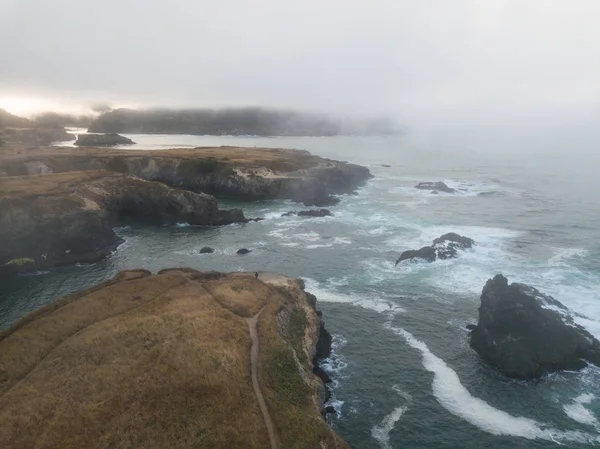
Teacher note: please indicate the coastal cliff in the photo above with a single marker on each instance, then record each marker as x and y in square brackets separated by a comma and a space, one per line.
[181, 359]
[57, 219]
[246, 174]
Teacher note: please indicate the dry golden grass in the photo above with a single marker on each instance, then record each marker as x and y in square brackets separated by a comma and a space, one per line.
[153, 362]
[50, 184]
[277, 158]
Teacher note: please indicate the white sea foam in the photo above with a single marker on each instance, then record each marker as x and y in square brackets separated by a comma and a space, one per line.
[319, 245]
[578, 412]
[382, 431]
[373, 303]
[455, 398]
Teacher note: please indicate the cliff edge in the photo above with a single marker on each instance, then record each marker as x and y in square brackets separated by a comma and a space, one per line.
[167, 360]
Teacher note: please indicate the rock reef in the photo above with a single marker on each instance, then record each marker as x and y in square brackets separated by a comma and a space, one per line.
[526, 334]
[435, 187]
[161, 360]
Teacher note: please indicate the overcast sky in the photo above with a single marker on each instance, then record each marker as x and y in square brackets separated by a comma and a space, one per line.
[414, 59]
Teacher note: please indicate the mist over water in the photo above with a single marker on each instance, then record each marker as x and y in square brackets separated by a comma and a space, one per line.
[404, 375]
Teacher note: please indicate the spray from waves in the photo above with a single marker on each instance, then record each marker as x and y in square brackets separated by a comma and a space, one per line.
[382, 431]
[334, 366]
[578, 412]
[373, 303]
[455, 398]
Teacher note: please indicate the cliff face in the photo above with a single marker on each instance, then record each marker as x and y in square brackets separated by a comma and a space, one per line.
[227, 172]
[58, 219]
[165, 361]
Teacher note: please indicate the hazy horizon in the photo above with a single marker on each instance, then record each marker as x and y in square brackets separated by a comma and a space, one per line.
[453, 66]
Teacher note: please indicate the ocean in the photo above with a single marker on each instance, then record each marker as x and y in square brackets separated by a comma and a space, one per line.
[403, 373]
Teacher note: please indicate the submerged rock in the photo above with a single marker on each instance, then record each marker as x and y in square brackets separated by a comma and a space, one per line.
[102, 140]
[207, 250]
[435, 187]
[243, 251]
[444, 247]
[526, 334]
[315, 213]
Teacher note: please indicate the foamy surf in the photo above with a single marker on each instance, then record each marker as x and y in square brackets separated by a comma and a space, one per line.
[454, 397]
[373, 303]
[578, 412]
[382, 431]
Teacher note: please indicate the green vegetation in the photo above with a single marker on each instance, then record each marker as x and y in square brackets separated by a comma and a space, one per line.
[20, 261]
[239, 288]
[283, 376]
[204, 166]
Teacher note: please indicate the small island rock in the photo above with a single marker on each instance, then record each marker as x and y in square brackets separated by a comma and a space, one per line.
[526, 334]
[102, 140]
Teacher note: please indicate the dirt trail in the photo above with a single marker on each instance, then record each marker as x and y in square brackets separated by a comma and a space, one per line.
[254, 370]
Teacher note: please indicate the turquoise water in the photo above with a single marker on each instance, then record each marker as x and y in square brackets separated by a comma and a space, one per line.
[404, 375]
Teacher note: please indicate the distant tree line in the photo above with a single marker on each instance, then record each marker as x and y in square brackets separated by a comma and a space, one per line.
[235, 121]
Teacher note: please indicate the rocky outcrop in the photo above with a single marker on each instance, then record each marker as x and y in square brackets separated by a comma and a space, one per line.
[426, 253]
[102, 140]
[526, 334]
[435, 187]
[447, 246]
[206, 250]
[60, 219]
[444, 247]
[243, 251]
[132, 356]
[309, 213]
[245, 174]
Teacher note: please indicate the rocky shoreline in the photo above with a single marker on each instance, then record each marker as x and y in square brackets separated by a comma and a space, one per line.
[58, 205]
[65, 218]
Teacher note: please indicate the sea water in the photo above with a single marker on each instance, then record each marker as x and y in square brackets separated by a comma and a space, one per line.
[403, 373]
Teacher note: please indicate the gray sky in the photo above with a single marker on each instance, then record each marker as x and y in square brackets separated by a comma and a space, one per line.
[475, 59]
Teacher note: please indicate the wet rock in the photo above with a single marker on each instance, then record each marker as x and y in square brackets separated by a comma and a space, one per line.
[243, 251]
[435, 186]
[207, 250]
[444, 247]
[447, 246]
[526, 334]
[315, 213]
[426, 253]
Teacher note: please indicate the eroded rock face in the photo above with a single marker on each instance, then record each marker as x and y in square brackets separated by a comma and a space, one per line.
[67, 218]
[526, 334]
[435, 187]
[242, 174]
[102, 140]
[444, 247]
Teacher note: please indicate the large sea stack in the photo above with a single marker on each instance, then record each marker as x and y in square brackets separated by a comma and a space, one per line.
[526, 334]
